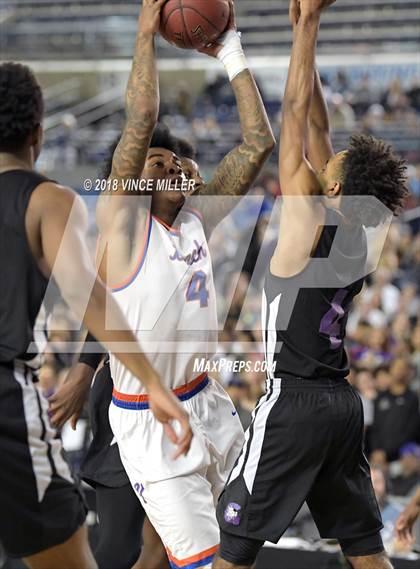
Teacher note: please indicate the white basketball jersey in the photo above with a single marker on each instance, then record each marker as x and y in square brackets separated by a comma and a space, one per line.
[170, 302]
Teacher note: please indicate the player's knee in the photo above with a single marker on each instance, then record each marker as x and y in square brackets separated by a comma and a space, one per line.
[377, 561]
[366, 552]
[152, 558]
[236, 552]
[364, 546]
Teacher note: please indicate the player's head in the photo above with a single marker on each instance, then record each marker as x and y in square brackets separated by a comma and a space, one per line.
[368, 167]
[21, 110]
[162, 163]
[189, 164]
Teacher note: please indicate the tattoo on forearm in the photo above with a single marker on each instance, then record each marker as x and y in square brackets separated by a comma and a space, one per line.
[239, 169]
[142, 105]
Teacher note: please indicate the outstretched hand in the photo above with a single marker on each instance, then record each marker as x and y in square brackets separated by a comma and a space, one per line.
[149, 20]
[213, 49]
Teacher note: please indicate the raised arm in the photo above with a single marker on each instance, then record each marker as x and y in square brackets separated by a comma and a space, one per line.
[297, 101]
[142, 109]
[238, 170]
[320, 147]
[300, 214]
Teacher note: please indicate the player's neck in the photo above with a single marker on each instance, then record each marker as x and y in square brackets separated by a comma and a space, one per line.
[167, 214]
[19, 161]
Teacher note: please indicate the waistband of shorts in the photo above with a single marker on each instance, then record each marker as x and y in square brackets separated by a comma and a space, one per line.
[141, 402]
[293, 382]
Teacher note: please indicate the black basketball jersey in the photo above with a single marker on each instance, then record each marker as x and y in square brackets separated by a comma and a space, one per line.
[22, 285]
[304, 326]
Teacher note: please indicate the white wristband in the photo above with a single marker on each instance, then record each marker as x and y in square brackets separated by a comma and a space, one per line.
[232, 55]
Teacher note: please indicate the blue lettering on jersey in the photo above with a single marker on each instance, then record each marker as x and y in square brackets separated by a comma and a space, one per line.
[194, 257]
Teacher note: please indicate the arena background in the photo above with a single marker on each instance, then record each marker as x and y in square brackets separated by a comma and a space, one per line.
[370, 65]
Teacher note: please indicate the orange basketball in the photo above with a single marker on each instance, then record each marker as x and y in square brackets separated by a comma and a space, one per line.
[192, 24]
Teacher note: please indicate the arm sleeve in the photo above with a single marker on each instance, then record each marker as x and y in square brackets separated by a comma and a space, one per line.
[89, 358]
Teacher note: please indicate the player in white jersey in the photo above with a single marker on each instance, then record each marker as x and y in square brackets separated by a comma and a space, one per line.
[156, 260]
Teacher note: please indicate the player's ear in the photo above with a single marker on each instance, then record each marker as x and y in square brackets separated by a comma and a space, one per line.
[36, 139]
[334, 190]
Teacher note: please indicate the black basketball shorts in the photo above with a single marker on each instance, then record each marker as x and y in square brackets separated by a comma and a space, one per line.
[305, 444]
[40, 504]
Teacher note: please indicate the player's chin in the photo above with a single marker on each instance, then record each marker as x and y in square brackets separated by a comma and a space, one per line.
[175, 197]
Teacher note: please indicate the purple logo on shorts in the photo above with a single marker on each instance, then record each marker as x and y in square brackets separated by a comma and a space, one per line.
[139, 489]
[232, 515]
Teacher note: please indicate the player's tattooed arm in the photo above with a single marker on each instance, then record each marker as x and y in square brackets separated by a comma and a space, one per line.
[141, 106]
[238, 170]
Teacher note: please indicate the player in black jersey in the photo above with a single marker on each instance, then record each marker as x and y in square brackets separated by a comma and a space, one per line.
[306, 439]
[42, 512]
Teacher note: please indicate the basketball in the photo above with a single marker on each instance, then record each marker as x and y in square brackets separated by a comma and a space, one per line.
[193, 24]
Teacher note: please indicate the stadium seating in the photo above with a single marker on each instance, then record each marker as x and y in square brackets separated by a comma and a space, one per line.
[64, 28]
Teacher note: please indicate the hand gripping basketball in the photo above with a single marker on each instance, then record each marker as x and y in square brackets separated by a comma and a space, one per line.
[228, 48]
[150, 16]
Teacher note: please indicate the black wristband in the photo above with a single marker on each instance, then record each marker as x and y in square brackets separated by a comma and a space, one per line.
[89, 358]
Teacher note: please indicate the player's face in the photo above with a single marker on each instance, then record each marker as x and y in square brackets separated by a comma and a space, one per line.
[192, 172]
[162, 164]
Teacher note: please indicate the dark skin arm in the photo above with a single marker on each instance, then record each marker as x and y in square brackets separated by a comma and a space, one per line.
[297, 101]
[239, 169]
[142, 109]
[320, 147]
[300, 216]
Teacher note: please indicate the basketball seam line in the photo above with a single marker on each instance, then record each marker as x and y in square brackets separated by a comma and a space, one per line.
[204, 18]
[167, 18]
[181, 7]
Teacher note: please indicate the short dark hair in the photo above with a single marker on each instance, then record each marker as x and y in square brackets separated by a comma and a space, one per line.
[371, 168]
[162, 138]
[186, 149]
[21, 105]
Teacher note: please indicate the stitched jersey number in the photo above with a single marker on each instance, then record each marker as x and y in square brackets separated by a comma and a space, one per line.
[197, 289]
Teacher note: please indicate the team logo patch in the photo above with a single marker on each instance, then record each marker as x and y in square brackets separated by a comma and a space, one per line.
[232, 514]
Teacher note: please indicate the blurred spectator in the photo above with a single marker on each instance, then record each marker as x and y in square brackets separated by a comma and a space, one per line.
[366, 387]
[389, 511]
[342, 115]
[396, 413]
[409, 477]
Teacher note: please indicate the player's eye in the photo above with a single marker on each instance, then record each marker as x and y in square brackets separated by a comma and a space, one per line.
[158, 165]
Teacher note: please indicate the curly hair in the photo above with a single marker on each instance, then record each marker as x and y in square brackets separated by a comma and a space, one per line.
[371, 168]
[21, 105]
[186, 149]
[162, 138]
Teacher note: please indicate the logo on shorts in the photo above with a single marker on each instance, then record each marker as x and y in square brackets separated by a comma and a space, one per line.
[139, 489]
[232, 515]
